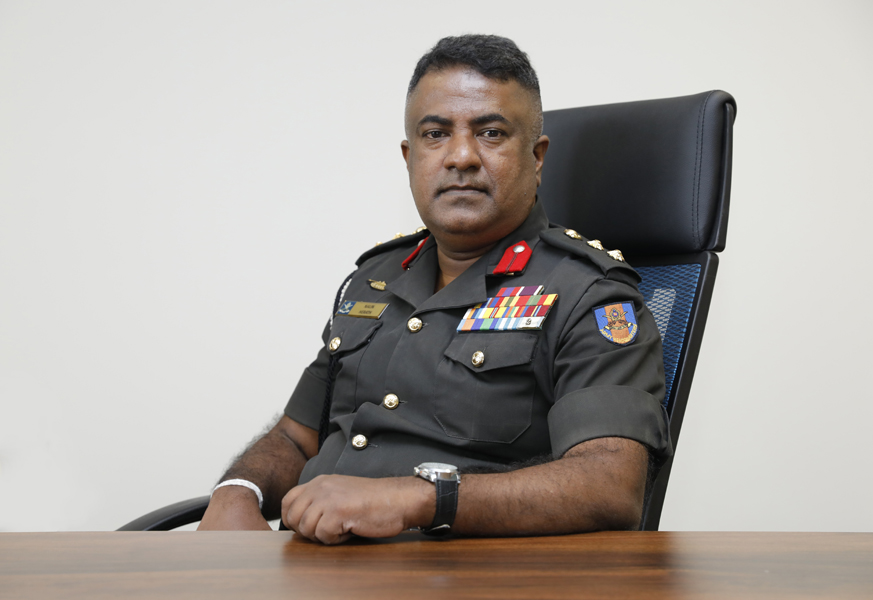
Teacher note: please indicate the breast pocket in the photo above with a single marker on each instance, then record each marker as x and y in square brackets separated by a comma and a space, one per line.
[353, 335]
[485, 386]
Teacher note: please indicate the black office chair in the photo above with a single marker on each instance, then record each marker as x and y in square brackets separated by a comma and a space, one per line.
[652, 179]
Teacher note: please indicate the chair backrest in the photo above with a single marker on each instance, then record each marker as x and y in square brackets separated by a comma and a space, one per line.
[651, 178]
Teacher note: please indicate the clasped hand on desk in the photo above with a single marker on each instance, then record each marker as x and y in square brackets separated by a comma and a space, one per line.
[332, 508]
[596, 485]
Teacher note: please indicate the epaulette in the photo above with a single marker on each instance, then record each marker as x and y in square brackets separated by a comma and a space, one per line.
[399, 240]
[593, 250]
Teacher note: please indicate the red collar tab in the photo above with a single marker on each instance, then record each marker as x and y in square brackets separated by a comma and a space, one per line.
[411, 257]
[514, 259]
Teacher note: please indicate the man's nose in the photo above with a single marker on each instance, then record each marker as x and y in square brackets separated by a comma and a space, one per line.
[462, 153]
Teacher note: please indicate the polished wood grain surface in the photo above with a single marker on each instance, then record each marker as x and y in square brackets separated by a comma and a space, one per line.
[600, 565]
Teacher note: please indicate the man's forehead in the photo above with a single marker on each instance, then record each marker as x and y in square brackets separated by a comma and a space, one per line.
[460, 91]
[458, 79]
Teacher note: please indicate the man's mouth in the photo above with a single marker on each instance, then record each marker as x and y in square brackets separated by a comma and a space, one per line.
[460, 189]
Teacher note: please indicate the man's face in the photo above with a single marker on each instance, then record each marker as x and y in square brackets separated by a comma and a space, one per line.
[473, 157]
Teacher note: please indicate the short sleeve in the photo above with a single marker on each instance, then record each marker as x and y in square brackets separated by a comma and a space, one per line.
[307, 400]
[609, 387]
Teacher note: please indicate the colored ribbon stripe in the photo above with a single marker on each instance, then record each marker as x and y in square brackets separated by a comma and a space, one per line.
[516, 305]
[530, 290]
[507, 324]
[528, 313]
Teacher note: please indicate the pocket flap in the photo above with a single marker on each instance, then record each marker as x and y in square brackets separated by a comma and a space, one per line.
[353, 332]
[499, 349]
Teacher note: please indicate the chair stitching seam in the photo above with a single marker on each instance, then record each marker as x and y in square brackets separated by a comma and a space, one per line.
[698, 168]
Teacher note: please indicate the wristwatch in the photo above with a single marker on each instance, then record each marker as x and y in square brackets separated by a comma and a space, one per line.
[446, 479]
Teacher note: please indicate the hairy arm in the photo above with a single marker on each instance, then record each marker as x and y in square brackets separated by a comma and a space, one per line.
[273, 463]
[596, 485]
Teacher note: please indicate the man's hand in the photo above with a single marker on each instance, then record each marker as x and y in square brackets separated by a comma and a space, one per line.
[233, 508]
[332, 508]
[596, 485]
[273, 463]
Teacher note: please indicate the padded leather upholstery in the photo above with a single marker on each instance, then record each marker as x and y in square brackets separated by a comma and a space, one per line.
[649, 178]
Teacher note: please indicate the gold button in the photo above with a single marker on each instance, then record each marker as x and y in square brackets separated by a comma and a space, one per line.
[398, 235]
[359, 442]
[617, 255]
[414, 324]
[334, 344]
[390, 401]
[420, 229]
[572, 233]
[595, 244]
[478, 358]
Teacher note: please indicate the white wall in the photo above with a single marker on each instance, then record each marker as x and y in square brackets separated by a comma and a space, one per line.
[183, 185]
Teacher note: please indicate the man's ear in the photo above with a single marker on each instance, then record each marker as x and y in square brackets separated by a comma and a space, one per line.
[539, 150]
[404, 148]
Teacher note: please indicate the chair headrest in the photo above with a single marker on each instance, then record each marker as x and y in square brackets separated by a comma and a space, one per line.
[649, 178]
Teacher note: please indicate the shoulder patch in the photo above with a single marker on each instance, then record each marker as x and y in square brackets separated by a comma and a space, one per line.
[617, 322]
[398, 242]
[593, 250]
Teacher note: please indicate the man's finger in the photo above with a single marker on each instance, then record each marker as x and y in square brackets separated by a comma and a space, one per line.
[294, 505]
[307, 521]
[331, 530]
[291, 496]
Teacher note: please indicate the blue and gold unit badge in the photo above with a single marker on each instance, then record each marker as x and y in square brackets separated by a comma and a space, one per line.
[617, 322]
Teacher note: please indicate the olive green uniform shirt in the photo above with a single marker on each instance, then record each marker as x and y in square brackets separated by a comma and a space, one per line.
[537, 392]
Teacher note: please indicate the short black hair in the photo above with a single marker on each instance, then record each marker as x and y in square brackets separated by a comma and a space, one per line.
[493, 56]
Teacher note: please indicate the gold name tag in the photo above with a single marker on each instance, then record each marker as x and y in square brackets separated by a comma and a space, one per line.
[365, 310]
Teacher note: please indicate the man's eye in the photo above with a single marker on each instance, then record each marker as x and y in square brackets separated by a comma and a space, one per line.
[434, 134]
[492, 133]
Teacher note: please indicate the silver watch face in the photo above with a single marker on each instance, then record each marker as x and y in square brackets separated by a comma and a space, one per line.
[433, 471]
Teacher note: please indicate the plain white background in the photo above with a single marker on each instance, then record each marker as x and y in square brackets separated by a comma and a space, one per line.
[184, 184]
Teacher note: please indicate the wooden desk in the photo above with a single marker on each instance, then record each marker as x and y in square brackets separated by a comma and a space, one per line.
[276, 565]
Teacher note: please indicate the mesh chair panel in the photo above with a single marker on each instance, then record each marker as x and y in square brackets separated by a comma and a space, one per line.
[669, 294]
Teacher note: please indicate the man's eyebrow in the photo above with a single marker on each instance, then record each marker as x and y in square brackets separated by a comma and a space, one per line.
[491, 118]
[481, 120]
[435, 119]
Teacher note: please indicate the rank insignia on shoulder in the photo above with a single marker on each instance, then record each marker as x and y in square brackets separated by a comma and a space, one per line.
[512, 309]
[617, 322]
[364, 310]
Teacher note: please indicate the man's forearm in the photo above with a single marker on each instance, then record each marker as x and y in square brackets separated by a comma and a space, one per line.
[274, 462]
[597, 485]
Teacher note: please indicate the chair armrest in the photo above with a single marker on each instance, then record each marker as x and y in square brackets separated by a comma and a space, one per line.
[171, 516]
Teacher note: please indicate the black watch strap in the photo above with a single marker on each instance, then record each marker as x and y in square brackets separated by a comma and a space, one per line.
[446, 507]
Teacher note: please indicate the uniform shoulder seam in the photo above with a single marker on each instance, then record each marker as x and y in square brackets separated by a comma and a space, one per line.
[397, 242]
[592, 250]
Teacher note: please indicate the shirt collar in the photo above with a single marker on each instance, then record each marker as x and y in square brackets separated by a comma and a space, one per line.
[416, 285]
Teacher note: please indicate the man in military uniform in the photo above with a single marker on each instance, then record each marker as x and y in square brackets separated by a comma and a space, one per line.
[491, 374]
